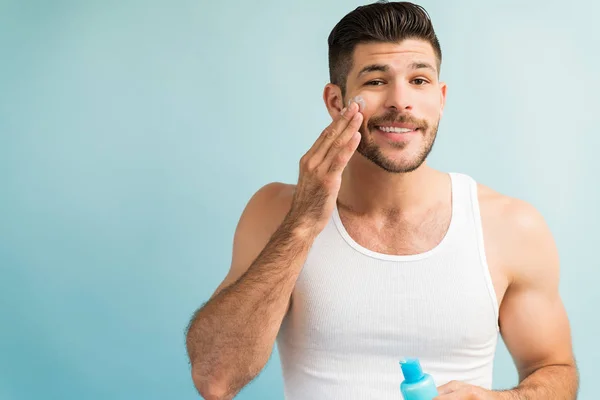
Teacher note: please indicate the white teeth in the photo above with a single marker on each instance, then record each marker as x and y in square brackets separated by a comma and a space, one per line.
[395, 130]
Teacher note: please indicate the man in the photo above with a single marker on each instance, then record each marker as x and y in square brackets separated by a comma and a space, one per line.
[374, 256]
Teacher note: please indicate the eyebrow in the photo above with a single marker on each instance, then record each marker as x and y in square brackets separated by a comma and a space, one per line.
[385, 68]
[422, 65]
[373, 68]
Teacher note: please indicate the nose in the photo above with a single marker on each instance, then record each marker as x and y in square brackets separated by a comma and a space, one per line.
[399, 97]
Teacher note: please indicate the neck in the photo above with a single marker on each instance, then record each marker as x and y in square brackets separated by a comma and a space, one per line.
[367, 189]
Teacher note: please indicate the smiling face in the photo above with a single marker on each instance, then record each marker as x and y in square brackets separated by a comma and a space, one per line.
[404, 101]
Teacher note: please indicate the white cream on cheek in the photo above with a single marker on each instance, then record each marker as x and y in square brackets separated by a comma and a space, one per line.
[360, 101]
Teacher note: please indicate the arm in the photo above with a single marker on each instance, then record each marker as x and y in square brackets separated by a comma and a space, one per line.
[533, 320]
[230, 338]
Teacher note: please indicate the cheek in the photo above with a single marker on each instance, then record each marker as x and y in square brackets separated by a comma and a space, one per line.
[373, 105]
[432, 106]
[371, 100]
[367, 119]
[360, 101]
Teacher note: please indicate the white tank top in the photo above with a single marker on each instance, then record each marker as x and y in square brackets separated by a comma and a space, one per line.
[356, 313]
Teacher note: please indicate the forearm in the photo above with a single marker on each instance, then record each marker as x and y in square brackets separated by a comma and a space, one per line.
[555, 382]
[232, 336]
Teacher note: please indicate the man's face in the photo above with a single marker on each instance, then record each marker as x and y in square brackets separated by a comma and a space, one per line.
[404, 102]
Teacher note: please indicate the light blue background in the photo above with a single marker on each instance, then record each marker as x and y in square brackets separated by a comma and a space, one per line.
[134, 132]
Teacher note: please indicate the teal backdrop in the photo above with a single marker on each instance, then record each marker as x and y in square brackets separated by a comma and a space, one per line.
[132, 134]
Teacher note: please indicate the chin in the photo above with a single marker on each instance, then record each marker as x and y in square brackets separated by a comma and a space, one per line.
[394, 164]
[404, 166]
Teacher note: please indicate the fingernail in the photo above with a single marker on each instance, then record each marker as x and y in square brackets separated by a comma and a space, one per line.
[344, 110]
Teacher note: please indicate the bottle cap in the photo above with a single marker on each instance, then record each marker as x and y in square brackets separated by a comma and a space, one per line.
[411, 368]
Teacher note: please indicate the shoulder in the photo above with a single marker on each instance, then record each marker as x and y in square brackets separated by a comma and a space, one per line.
[262, 216]
[272, 199]
[267, 208]
[518, 234]
[509, 212]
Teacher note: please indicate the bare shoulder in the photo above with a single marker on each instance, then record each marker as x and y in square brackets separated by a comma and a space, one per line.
[262, 216]
[517, 236]
[266, 209]
[512, 212]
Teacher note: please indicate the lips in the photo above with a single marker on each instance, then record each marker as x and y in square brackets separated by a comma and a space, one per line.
[388, 123]
[397, 129]
[402, 125]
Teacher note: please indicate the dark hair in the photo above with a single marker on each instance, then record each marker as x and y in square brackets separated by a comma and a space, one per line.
[378, 22]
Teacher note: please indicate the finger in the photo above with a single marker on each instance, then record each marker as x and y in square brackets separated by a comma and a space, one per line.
[450, 387]
[339, 162]
[449, 396]
[343, 138]
[463, 393]
[332, 132]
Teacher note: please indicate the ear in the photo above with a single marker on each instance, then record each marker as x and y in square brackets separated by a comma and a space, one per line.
[443, 89]
[332, 96]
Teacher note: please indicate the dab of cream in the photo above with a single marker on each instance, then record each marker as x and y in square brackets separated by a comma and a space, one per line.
[360, 101]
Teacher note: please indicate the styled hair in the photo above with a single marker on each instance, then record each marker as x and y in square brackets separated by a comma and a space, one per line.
[382, 21]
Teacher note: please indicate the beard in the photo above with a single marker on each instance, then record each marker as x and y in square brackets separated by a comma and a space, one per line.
[409, 161]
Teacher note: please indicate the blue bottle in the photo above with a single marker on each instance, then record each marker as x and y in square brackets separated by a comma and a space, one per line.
[416, 385]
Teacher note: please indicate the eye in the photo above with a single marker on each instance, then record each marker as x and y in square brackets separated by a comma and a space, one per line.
[420, 81]
[374, 83]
